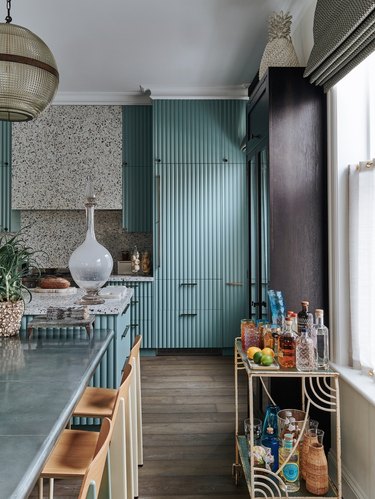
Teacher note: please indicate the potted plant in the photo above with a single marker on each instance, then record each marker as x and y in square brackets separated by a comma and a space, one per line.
[16, 259]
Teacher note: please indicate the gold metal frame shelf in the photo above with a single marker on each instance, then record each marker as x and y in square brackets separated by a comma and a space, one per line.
[316, 391]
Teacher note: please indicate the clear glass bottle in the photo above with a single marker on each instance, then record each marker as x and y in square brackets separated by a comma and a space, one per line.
[91, 263]
[287, 346]
[303, 316]
[305, 352]
[290, 472]
[322, 340]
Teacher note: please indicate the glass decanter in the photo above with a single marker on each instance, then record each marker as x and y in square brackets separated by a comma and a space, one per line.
[91, 263]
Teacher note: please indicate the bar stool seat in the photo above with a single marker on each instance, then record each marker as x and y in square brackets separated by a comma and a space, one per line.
[96, 402]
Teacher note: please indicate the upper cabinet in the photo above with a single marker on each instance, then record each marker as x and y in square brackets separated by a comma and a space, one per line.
[137, 168]
[9, 219]
[198, 131]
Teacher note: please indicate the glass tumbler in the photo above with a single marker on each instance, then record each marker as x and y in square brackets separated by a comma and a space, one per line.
[257, 430]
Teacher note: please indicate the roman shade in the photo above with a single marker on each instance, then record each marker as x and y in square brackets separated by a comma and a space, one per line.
[344, 35]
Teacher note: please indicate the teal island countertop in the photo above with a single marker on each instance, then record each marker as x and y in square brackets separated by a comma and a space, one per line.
[41, 380]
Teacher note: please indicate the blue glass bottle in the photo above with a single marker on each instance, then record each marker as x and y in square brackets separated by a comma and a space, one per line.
[270, 420]
[271, 442]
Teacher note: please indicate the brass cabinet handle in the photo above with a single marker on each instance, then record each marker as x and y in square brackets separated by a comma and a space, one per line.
[234, 283]
[188, 315]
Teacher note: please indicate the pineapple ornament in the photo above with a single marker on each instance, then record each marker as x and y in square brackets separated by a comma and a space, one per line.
[279, 50]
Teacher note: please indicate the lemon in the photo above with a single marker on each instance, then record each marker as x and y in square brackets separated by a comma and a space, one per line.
[257, 357]
[266, 360]
[251, 350]
[268, 351]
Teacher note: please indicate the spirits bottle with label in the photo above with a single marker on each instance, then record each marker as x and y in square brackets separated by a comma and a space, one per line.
[303, 316]
[290, 472]
[287, 346]
[322, 340]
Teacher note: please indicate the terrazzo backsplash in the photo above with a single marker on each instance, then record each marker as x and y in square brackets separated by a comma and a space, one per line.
[58, 233]
[53, 155]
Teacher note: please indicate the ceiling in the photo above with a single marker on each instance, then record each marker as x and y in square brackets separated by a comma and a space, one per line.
[110, 48]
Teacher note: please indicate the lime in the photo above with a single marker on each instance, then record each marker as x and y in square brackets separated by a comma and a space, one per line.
[251, 351]
[257, 357]
[266, 360]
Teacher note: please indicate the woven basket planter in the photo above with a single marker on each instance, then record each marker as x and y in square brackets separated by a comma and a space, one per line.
[316, 470]
[10, 317]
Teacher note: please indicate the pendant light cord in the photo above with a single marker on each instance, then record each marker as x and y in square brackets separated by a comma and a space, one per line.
[8, 18]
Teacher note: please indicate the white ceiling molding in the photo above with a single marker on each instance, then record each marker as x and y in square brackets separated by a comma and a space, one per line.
[100, 98]
[229, 92]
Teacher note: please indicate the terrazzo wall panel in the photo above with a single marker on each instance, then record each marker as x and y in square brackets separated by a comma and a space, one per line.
[53, 156]
[58, 233]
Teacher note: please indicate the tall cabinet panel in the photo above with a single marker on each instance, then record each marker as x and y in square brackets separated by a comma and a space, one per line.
[137, 168]
[286, 152]
[200, 223]
[9, 219]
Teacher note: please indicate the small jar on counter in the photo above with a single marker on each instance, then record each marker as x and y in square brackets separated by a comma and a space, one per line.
[146, 262]
[135, 261]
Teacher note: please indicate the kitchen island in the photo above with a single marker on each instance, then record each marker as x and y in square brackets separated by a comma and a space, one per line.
[41, 381]
[114, 314]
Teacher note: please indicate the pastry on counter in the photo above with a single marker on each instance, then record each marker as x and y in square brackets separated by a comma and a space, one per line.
[52, 282]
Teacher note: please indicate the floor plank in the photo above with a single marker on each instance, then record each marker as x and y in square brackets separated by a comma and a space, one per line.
[188, 429]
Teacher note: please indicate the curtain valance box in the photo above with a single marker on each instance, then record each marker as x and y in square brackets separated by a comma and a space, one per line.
[344, 35]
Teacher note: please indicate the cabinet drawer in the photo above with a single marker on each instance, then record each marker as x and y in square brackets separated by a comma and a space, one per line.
[143, 328]
[189, 294]
[199, 329]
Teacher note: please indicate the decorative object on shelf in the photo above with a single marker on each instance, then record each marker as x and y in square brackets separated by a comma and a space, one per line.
[146, 262]
[136, 263]
[91, 263]
[279, 50]
[16, 258]
[316, 470]
[312, 435]
[28, 72]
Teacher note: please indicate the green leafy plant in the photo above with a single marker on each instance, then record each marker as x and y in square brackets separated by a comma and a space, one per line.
[16, 260]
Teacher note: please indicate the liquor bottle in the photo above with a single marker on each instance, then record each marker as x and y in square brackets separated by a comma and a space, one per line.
[322, 340]
[290, 472]
[270, 441]
[305, 352]
[303, 316]
[287, 346]
[267, 336]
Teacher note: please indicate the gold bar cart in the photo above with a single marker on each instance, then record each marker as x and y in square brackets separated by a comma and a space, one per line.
[316, 391]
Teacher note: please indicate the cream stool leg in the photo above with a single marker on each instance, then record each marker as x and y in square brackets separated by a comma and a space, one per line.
[40, 488]
[139, 411]
[51, 484]
[129, 448]
[117, 450]
[134, 433]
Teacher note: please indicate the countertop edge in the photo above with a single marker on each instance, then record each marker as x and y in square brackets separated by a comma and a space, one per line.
[25, 488]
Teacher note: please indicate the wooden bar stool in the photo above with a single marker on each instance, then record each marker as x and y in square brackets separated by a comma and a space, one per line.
[97, 402]
[75, 449]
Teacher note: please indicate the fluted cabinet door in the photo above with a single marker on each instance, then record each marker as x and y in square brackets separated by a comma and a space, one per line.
[188, 230]
[9, 219]
[137, 168]
[235, 251]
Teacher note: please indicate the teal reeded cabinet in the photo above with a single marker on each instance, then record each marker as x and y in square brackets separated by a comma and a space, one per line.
[9, 219]
[137, 168]
[200, 223]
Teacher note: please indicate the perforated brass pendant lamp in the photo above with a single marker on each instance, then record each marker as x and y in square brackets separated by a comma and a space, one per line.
[28, 73]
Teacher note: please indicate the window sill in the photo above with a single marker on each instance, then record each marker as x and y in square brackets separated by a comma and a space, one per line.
[362, 383]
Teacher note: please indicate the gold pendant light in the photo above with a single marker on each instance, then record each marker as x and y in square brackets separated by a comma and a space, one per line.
[28, 73]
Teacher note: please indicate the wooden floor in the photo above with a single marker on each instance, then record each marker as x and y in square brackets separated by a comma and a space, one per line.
[188, 429]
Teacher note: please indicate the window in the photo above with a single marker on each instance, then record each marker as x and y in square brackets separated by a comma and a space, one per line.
[352, 279]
